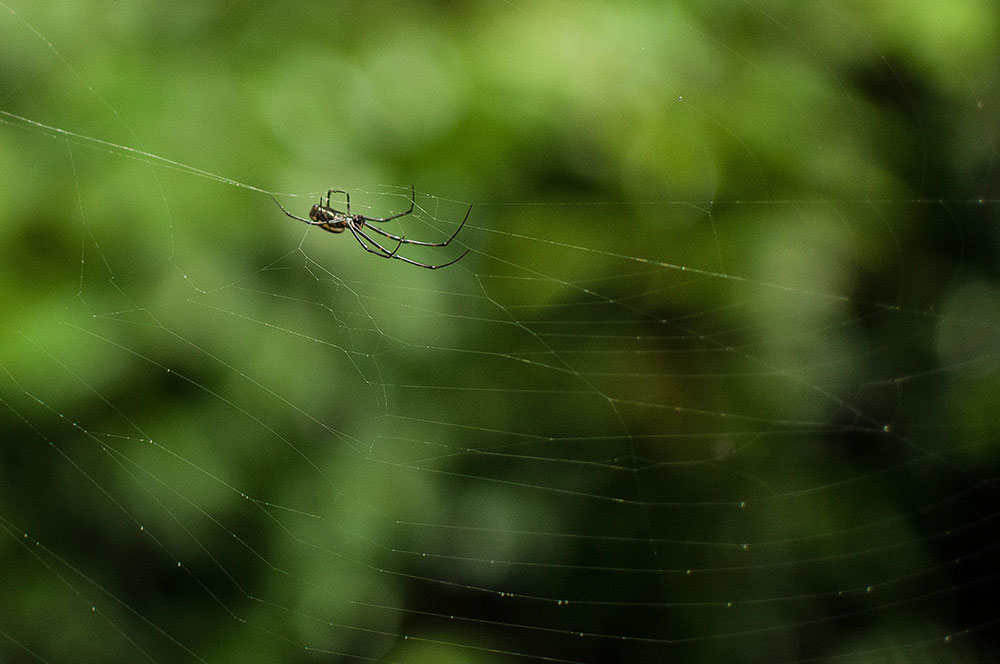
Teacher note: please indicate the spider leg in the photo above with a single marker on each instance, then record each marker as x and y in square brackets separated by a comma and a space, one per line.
[413, 195]
[381, 252]
[429, 267]
[339, 191]
[385, 253]
[307, 221]
[423, 244]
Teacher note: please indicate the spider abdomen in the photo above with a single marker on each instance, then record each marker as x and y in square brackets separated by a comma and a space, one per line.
[328, 220]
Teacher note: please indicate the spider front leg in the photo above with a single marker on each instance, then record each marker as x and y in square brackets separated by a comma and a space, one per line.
[413, 202]
[424, 244]
[339, 191]
[382, 251]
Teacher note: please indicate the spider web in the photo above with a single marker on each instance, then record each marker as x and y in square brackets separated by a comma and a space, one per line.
[752, 418]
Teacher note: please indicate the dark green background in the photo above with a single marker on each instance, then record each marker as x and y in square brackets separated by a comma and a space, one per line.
[716, 382]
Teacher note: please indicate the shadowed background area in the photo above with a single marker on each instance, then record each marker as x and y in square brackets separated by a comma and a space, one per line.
[716, 381]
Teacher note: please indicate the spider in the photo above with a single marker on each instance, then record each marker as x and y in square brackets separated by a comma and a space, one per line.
[335, 221]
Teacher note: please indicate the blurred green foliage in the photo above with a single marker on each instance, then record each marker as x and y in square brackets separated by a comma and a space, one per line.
[720, 367]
